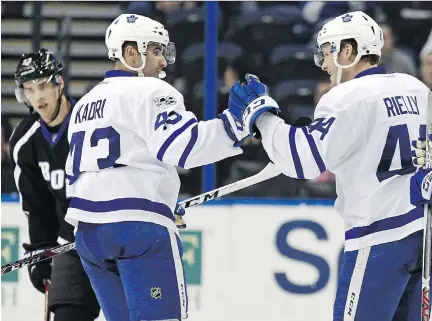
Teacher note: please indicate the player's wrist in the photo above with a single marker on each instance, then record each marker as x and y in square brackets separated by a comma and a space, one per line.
[233, 128]
[256, 109]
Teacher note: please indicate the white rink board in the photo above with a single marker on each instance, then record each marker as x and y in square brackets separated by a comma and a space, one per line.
[20, 301]
[256, 263]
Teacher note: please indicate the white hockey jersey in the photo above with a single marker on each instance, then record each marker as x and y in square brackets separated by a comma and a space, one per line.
[362, 132]
[126, 137]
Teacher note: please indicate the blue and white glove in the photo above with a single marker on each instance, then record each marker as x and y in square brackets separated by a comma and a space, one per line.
[179, 212]
[233, 127]
[419, 152]
[421, 187]
[247, 102]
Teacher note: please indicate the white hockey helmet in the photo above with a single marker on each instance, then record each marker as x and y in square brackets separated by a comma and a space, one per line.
[353, 25]
[142, 30]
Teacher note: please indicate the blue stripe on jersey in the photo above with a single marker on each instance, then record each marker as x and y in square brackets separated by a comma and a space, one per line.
[173, 136]
[295, 155]
[314, 150]
[384, 224]
[189, 146]
[118, 204]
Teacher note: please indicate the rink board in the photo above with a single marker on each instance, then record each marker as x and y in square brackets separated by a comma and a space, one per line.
[272, 262]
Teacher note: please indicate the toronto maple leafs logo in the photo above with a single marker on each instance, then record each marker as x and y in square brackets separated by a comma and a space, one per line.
[347, 18]
[131, 19]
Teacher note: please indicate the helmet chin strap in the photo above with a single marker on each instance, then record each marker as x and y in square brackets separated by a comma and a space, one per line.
[137, 70]
[161, 74]
[341, 67]
[57, 111]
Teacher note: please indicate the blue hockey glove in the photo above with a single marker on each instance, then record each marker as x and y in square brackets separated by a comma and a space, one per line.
[249, 101]
[233, 127]
[421, 187]
[179, 212]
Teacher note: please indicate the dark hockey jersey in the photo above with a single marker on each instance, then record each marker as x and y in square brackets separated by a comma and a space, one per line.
[39, 155]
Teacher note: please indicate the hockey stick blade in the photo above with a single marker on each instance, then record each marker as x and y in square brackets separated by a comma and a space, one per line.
[268, 172]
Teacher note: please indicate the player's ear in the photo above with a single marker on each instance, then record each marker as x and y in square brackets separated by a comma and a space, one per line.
[131, 52]
[348, 50]
[353, 52]
[60, 82]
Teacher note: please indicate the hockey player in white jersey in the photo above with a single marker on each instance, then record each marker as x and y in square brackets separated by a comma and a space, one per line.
[362, 132]
[126, 137]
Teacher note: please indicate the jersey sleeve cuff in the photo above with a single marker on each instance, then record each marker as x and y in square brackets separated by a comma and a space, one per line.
[267, 123]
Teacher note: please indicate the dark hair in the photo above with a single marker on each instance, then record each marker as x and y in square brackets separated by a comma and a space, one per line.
[372, 59]
[124, 45]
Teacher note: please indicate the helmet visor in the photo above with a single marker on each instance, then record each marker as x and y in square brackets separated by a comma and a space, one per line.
[170, 53]
[318, 55]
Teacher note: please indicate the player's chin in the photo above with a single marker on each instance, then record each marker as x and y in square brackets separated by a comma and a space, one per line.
[47, 116]
[151, 73]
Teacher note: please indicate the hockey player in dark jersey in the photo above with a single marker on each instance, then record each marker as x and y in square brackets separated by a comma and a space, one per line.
[39, 148]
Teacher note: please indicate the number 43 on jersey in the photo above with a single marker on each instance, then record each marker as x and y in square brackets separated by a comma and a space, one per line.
[77, 143]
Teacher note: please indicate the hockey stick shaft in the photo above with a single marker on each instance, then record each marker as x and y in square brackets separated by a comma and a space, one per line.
[47, 314]
[427, 241]
[44, 255]
[268, 172]
[426, 266]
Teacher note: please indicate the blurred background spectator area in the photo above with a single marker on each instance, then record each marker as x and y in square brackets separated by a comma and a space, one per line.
[269, 38]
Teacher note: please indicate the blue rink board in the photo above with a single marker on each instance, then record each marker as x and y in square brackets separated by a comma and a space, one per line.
[14, 198]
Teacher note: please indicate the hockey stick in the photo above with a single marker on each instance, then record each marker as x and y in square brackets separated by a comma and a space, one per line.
[268, 172]
[47, 314]
[427, 246]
